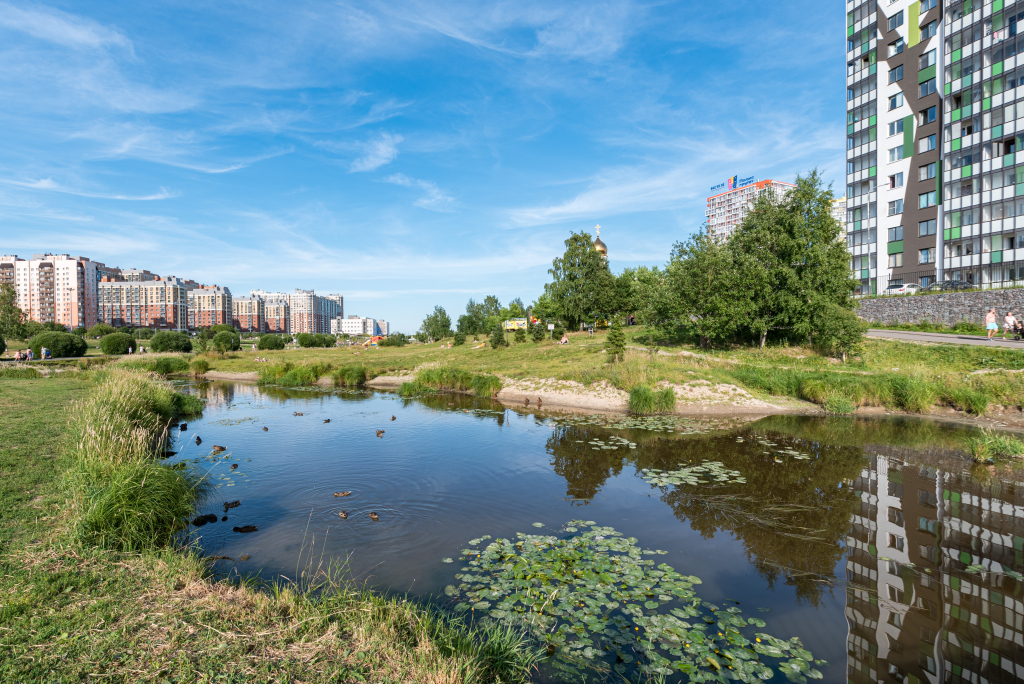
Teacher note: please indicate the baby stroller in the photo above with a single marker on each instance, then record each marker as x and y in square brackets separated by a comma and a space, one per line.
[1018, 331]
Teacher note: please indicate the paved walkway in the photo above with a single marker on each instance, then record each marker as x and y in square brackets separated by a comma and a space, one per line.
[944, 338]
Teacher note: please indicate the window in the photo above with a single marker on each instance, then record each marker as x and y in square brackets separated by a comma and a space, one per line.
[896, 20]
[895, 233]
[896, 181]
[926, 256]
[896, 74]
[926, 172]
[895, 127]
[896, 153]
[926, 228]
[926, 116]
[927, 88]
[895, 542]
[895, 207]
[896, 47]
[895, 516]
[896, 260]
[926, 199]
[926, 60]
[895, 101]
[930, 29]
[926, 144]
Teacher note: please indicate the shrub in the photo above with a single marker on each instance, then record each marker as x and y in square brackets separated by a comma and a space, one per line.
[222, 327]
[143, 333]
[170, 342]
[350, 376]
[558, 331]
[199, 366]
[80, 331]
[615, 344]
[125, 329]
[486, 385]
[460, 338]
[644, 401]
[60, 344]
[396, 339]
[270, 343]
[538, 333]
[225, 341]
[498, 337]
[117, 343]
[100, 329]
[305, 340]
[3, 345]
[520, 335]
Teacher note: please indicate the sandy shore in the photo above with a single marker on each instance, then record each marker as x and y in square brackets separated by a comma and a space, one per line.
[223, 375]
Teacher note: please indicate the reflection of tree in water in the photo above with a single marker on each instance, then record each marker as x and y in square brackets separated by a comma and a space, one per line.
[584, 470]
[791, 517]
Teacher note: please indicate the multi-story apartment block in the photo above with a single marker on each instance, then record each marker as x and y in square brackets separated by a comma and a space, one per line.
[144, 302]
[912, 121]
[248, 314]
[383, 328]
[209, 306]
[839, 210]
[55, 288]
[727, 210]
[355, 325]
[338, 312]
[915, 615]
[277, 316]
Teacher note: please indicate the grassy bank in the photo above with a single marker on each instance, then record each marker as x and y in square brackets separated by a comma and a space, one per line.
[94, 587]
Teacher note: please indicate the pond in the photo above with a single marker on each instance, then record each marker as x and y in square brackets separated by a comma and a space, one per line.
[874, 542]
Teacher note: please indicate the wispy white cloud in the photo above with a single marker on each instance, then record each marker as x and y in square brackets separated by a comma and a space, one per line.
[434, 199]
[48, 185]
[59, 27]
[377, 152]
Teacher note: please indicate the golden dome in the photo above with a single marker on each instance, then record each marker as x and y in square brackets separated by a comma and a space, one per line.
[599, 246]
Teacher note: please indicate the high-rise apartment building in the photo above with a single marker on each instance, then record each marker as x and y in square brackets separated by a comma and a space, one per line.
[247, 314]
[150, 302]
[209, 306]
[913, 120]
[55, 288]
[726, 210]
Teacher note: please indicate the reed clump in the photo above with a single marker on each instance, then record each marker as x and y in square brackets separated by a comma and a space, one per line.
[20, 373]
[644, 401]
[164, 365]
[991, 444]
[290, 374]
[350, 376]
[121, 496]
[448, 379]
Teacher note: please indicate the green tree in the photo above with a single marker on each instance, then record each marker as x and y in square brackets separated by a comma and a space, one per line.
[225, 341]
[30, 328]
[100, 329]
[520, 335]
[702, 282]
[615, 344]
[543, 308]
[538, 332]
[80, 331]
[60, 344]
[498, 337]
[12, 318]
[580, 279]
[117, 343]
[460, 338]
[437, 325]
[837, 331]
[270, 342]
[170, 341]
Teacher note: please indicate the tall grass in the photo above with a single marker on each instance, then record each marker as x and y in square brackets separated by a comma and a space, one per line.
[992, 444]
[121, 497]
[164, 365]
[644, 401]
[350, 376]
[448, 379]
[293, 375]
[20, 373]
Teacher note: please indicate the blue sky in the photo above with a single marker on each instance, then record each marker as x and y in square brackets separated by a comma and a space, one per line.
[402, 154]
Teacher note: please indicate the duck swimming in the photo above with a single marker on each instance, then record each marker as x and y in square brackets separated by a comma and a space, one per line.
[343, 515]
[264, 429]
[342, 493]
[219, 449]
[380, 433]
[374, 516]
[234, 465]
[392, 417]
[245, 529]
[328, 420]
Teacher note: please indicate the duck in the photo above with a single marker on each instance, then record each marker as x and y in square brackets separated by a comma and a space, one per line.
[527, 401]
[265, 429]
[203, 519]
[224, 519]
[234, 465]
[343, 515]
[198, 441]
[296, 414]
[380, 433]
[374, 516]
[393, 417]
[231, 504]
[328, 420]
[219, 449]
[246, 529]
[183, 427]
[538, 402]
[342, 493]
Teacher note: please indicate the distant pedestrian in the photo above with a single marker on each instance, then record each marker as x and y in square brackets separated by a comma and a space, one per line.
[1009, 323]
[990, 323]
[31, 355]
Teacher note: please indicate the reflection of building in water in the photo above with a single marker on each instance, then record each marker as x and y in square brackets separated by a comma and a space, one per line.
[914, 614]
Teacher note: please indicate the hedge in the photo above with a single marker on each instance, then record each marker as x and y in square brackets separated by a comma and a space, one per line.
[60, 344]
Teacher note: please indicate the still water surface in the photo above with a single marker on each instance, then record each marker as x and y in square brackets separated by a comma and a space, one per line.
[859, 535]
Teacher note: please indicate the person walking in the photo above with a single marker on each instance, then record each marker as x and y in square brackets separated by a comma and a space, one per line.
[990, 323]
[1009, 323]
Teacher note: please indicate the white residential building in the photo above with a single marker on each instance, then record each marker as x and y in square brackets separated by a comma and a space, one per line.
[55, 288]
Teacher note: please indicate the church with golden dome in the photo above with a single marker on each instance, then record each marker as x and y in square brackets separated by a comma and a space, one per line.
[599, 246]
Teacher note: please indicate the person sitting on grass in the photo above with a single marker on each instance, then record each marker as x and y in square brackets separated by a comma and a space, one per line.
[565, 339]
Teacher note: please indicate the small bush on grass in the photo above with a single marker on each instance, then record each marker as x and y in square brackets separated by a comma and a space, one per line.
[396, 339]
[164, 365]
[199, 366]
[225, 341]
[967, 400]
[60, 344]
[520, 335]
[445, 378]
[460, 339]
[100, 329]
[117, 343]
[498, 337]
[644, 401]
[538, 333]
[350, 376]
[170, 341]
[270, 343]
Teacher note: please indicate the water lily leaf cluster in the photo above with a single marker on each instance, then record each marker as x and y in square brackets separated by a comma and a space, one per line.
[707, 472]
[597, 604]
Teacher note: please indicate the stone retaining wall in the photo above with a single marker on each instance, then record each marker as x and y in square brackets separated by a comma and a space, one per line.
[949, 308]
